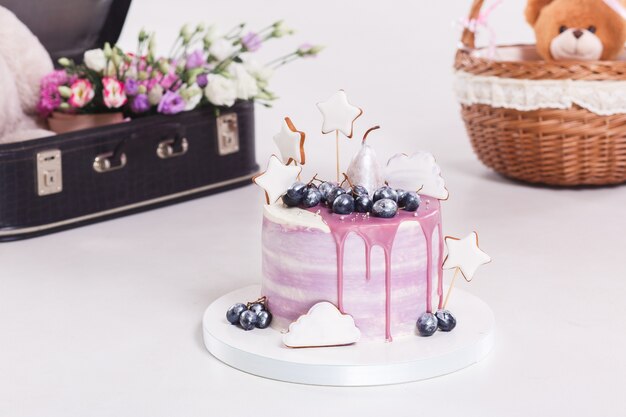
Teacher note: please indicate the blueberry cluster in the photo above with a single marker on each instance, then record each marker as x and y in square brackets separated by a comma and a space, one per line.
[384, 203]
[303, 195]
[250, 315]
[428, 323]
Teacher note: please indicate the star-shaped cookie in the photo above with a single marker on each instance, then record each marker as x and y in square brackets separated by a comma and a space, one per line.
[290, 142]
[338, 114]
[465, 255]
[277, 178]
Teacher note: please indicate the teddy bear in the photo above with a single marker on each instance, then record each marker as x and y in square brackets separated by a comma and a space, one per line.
[579, 30]
[23, 63]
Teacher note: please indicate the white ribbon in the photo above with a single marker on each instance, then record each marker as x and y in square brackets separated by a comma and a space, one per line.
[617, 7]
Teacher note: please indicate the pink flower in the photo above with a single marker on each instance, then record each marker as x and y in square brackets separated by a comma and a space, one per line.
[169, 81]
[49, 100]
[82, 93]
[113, 93]
[55, 78]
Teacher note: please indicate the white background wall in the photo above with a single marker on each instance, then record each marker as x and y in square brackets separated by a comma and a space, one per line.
[105, 320]
[393, 59]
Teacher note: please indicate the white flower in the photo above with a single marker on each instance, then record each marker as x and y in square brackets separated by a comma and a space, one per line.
[95, 60]
[281, 30]
[155, 94]
[246, 84]
[221, 49]
[220, 90]
[256, 69]
[212, 33]
[192, 96]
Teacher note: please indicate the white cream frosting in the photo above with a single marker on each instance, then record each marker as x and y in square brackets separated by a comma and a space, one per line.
[294, 217]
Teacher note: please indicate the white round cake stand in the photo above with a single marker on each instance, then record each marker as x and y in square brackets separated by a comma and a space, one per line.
[261, 352]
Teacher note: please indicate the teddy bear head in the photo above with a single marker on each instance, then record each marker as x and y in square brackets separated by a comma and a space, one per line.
[580, 30]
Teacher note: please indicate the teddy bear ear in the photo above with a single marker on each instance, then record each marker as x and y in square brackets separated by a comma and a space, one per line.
[533, 10]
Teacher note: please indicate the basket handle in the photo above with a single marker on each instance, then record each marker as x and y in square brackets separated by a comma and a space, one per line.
[468, 39]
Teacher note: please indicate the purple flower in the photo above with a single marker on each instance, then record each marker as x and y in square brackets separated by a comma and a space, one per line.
[195, 59]
[202, 80]
[171, 103]
[130, 86]
[140, 103]
[251, 42]
[49, 99]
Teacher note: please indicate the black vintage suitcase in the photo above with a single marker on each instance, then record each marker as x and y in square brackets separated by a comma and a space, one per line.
[82, 177]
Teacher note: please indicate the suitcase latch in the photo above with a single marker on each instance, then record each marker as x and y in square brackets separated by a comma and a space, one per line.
[106, 162]
[227, 134]
[49, 174]
[170, 148]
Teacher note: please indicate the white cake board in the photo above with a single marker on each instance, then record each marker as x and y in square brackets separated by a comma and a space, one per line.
[261, 352]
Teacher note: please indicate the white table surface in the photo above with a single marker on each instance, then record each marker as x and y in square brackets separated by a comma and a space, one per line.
[105, 320]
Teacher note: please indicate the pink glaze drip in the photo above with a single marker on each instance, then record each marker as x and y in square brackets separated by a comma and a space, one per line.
[428, 229]
[382, 232]
[440, 267]
[340, 239]
[368, 262]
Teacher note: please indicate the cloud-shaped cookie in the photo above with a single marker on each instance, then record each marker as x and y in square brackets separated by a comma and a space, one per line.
[323, 325]
[419, 170]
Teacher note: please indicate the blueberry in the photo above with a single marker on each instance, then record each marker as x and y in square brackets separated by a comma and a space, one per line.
[248, 320]
[290, 202]
[427, 324]
[343, 204]
[333, 194]
[296, 191]
[401, 194]
[385, 192]
[363, 204]
[312, 197]
[410, 201]
[446, 320]
[264, 318]
[233, 313]
[256, 308]
[325, 188]
[358, 191]
[385, 208]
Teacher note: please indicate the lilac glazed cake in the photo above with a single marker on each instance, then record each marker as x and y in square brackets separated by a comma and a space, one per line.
[383, 272]
[369, 243]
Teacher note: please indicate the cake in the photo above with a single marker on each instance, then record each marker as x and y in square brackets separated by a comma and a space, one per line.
[385, 273]
[353, 260]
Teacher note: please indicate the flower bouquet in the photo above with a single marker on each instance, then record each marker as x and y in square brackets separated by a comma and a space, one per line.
[203, 68]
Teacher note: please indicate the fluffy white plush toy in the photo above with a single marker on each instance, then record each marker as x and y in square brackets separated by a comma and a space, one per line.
[23, 63]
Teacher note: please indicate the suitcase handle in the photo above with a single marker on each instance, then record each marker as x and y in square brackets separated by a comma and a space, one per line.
[176, 146]
[111, 161]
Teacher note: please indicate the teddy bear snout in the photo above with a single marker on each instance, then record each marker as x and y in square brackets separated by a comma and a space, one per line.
[576, 44]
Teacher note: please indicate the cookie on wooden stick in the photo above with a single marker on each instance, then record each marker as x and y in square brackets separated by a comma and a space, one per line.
[339, 116]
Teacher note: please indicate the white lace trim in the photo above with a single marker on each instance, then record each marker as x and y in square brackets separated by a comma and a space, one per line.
[601, 97]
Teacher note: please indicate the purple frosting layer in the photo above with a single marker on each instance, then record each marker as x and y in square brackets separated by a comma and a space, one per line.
[300, 270]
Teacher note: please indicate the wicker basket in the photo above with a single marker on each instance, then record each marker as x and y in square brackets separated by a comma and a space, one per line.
[565, 146]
